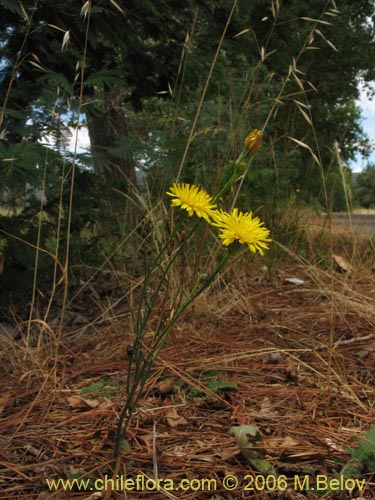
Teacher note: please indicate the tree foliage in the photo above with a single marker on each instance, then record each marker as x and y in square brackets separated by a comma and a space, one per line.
[138, 71]
[365, 187]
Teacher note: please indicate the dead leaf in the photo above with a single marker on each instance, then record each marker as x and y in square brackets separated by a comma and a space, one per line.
[78, 402]
[276, 446]
[332, 445]
[5, 401]
[274, 358]
[342, 265]
[294, 281]
[46, 495]
[266, 409]
[94, 496]
[38, 453]
[174, 418]
[166, 386]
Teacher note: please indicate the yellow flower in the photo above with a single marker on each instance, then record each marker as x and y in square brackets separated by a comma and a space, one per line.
[242, 227]
[192, 199]
[253, 141]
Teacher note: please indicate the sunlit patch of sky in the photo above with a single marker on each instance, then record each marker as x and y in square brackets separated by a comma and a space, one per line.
[78, 140]
[80, 135]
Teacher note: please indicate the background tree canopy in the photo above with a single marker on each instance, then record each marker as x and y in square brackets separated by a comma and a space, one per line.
[136, 72]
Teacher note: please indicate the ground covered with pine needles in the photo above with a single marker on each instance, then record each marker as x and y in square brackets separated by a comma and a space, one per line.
[293, 358]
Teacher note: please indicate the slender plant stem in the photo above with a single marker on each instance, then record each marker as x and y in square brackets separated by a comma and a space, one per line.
[144, 364]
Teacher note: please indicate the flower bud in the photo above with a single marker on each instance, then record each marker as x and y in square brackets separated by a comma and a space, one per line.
[253, 141]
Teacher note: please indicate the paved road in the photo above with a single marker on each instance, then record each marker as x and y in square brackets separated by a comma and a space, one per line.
[364, 223]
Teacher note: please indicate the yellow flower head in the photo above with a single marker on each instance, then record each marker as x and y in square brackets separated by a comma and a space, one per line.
[192, 199]
[242, 227]
[253, 141]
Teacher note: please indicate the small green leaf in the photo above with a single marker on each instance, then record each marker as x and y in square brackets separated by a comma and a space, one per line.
[125, 445]
[365, 451]
[96, 386]
[261, 465]
[210, 373]
[246, 436]
[221, 385]
[363, 456]
[352, 469]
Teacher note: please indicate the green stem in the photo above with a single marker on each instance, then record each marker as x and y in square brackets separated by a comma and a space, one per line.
[238, 170]
[143, 366]
[223, 191]
[197, 290]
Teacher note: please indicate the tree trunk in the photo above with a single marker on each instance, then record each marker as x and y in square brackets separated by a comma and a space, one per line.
[107, 129]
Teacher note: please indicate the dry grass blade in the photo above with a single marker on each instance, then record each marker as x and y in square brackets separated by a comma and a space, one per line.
[306, 146]
[116, 5]
[242, 32]
[85, 9]
[24, 13]
[65, 40]
[326, 40]
[304, 114]
[318, 21]
[277, 362]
